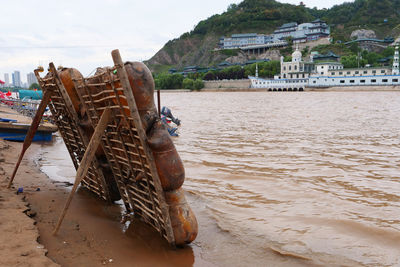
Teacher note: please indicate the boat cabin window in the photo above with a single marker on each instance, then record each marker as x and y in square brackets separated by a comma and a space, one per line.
[362, 81]
[332, 73]
[373, 81]
[351, 81]
[382, 71]
[341, 81]
[395, 80]
[357, 72]
[340, 73]
[384, 80]
[365, 71]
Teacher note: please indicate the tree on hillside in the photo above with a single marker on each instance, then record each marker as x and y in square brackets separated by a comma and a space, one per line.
[352, 61]
[168, 81]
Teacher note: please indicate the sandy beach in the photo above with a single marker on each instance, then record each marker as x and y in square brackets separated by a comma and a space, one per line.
[19, 235]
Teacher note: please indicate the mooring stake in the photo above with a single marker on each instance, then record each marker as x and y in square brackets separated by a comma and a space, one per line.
[86, 160]
[31, 132]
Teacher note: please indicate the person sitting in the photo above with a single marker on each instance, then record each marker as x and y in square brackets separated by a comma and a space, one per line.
[167, 118]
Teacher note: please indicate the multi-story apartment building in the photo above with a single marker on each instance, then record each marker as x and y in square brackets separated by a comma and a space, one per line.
[6, 79]
[31, 78]
[300, 33]
[16, 78]
[304, 32]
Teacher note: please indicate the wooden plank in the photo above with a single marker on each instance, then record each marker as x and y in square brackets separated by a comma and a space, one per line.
[31, 132]
[86, 161]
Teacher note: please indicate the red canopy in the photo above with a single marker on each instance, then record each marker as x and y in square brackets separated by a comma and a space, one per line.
[3, 96]
[1, 82]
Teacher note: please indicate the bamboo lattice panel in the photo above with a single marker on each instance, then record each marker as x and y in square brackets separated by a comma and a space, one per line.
[73, 138]
[137, 181]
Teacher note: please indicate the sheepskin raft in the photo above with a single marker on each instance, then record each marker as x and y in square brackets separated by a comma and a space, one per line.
[121, 151]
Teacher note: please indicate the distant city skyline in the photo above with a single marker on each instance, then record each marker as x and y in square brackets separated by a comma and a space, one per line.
[81, 34]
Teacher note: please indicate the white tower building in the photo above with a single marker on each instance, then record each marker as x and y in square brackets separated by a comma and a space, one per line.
[297, 56]
[6, 79]
[256, 70]
[395, 68]
[31, 78]
[16, 77]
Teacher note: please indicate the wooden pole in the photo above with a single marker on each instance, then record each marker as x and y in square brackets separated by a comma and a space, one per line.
[159, 103]
[86, 161]
[31, 132]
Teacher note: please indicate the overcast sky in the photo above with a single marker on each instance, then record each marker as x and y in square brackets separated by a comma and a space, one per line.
[81, 34]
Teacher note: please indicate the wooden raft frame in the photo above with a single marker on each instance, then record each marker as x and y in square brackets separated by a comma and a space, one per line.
[125, 145]
[67, 121]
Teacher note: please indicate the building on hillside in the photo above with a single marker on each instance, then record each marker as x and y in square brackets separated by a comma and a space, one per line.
[323, 68]
[297, 68]
[194, 69]
[224, 64]
[385, 61]
[293, 77]
[285, 30]
[304, 32]
[172, 71]
[242, 40]
[328, 74]
[330, 56]
[300, 33]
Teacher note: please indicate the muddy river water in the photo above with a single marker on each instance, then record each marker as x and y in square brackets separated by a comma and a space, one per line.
[311, 176]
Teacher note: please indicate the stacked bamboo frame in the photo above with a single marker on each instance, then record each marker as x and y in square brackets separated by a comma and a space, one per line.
[66, 119]
[108, 102]
[125, 146]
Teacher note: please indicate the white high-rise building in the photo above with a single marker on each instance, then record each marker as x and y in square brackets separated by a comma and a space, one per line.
[31, 78]
[16, 78]
[395, 69]
[6, 79]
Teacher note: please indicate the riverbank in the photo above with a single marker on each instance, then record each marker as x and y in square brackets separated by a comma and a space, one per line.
[19, 235]
[354, 88]
[245, 86]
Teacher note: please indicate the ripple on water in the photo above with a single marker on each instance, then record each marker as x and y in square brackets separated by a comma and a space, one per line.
[307, 175]
[320, 168]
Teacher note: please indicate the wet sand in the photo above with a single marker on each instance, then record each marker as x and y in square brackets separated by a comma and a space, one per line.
[18, 239]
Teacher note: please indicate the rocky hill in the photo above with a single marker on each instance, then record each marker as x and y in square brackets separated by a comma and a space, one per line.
[263, 16]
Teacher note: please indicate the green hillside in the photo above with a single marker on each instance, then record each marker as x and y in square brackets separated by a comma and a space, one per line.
[264, 16]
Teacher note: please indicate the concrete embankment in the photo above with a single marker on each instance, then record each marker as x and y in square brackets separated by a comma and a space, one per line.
[354, 88]
[227, 85]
